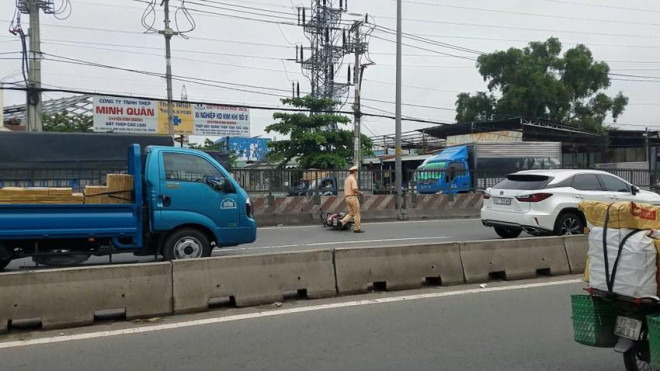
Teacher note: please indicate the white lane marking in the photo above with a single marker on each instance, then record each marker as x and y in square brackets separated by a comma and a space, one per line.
[327, 243]
[272, 313]
[377, 223]
[369, 241]
[253, 248]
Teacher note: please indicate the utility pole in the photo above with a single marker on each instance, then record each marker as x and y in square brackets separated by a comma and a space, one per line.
[34, 73]
[398, 178]
[357, 81]
[168, 33]
[648, 160]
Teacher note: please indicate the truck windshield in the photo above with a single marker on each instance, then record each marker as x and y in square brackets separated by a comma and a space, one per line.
[432, 171]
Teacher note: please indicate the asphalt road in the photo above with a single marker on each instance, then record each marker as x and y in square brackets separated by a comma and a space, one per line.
[282, 239]
[523, 325]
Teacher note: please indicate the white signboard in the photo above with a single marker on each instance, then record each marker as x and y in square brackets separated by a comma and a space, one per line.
[125, 115]
[214, 120]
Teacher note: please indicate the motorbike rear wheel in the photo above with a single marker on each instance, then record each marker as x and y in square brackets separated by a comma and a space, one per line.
[637, 357]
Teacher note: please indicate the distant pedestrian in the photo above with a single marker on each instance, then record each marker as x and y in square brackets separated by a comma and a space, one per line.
[351, 193]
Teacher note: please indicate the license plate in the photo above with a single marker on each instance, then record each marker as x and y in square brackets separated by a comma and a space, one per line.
[334, 222]
[501, 201]
[628, 327]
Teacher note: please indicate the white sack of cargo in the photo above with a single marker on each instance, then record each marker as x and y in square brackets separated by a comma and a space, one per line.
[635, 272]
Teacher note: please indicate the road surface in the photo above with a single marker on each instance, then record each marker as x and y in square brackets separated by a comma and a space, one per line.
[523, 325]
[283, 239]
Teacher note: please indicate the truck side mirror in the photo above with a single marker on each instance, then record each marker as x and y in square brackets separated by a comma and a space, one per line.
[220, 183]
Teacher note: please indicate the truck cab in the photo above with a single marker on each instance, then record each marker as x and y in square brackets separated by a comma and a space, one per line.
[446, 172]
[190, 188]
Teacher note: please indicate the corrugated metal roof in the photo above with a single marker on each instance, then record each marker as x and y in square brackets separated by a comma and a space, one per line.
[520, 149]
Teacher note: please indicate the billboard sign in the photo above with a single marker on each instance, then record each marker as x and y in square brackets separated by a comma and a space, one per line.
[124, 115]
[248, 149]
[138, 116]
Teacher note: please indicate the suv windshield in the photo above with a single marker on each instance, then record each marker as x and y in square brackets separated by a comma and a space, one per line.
[523, 182]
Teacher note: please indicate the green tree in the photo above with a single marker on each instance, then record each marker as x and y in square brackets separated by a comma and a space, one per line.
[310, 139]
[538, 82]
[63, 122]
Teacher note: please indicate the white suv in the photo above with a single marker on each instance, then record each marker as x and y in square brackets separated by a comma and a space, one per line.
[545, 201]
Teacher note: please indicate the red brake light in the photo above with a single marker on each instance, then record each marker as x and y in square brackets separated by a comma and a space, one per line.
[535, 197]
[486, 196]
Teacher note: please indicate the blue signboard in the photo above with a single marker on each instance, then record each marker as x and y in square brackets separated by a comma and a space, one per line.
[248, 149]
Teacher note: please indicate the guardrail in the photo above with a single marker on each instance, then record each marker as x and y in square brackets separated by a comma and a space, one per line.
[74, 296]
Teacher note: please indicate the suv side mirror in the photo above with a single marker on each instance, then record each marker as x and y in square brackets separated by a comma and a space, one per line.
[635, 190]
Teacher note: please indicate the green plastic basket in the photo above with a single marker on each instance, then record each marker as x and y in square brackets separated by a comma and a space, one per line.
[593, 321]
[653, 323]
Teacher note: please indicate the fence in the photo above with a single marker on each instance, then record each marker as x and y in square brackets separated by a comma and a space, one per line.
[295, 182]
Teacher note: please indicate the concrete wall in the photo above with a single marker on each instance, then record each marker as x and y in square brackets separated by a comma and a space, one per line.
[71, 297]
[252, 279]
[307, 210]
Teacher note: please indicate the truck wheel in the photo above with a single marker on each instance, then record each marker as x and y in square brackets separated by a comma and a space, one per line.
[569, 224]
[187, 243]
[4, 264]
[508, 232]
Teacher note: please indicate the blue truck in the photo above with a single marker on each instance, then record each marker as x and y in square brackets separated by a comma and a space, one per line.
[475, 166]
[183, 204]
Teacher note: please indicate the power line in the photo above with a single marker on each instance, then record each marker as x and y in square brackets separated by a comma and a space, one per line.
[499, 11]
[256, 107]
[428, 50]
[517, 28]
[604, 6]
[192, 38]
[207, 82]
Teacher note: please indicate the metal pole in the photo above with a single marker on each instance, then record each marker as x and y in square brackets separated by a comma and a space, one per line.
[648, 160]
[168, 32]
[397, 149]
[33, 92]
[356, 104]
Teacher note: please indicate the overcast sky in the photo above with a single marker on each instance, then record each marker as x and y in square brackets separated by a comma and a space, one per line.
[253, 55]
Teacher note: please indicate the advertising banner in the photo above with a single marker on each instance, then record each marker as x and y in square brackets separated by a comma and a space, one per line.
[136, 116]
[123, 115]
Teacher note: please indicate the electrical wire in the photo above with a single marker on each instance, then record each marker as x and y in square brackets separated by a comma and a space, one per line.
[148, 18]
[65, 8]
[189, 18]
[16, 29]
[526, 14]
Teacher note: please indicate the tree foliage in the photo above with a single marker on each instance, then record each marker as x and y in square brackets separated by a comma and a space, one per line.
[538, 82]
[310, 138]
[65, 123]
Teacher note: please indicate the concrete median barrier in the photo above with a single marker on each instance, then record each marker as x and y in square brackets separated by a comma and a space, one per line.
[72, 296]
[513, 259]
[464, 205]
[577, 248]
[397, 268]
[252, 279]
